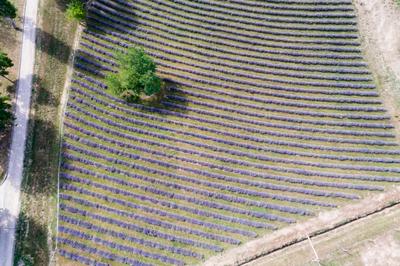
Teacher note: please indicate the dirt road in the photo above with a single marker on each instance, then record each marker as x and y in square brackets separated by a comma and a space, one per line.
[10, 189]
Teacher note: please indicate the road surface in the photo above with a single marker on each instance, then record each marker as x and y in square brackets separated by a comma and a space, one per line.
[10, 189]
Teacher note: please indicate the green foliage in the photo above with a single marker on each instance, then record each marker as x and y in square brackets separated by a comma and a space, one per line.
[136, 75]
[5, 63]
[76, 10]
[397, 2]
[5, 112]
[7, 9]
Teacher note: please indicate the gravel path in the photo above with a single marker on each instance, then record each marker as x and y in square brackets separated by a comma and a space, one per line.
[10, 189]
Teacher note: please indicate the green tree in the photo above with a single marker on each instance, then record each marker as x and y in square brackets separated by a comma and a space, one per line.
[76, 10]
[5, 63]
[5, 112]
[136, 75]
[7, 9]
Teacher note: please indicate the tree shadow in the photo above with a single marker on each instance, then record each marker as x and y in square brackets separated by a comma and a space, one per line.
[53, 46]
[62, 4]
[43, 95]
[30, 233]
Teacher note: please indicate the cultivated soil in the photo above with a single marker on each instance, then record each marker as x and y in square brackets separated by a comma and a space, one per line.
[379, 26]
[10, 43]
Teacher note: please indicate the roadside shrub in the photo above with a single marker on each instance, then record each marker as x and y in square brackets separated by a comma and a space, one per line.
[76, 10]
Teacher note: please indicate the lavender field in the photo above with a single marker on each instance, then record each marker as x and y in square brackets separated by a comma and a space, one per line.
[271, 116]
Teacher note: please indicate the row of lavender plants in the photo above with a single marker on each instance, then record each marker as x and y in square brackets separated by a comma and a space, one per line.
[130, 226]
[236, 152]
[101, 253]
[184, 7]
[151, 210]
[215, 122]
[207, 24]
[322, 6]
[250, 76]
[210, 184]
[177, 196]
[285, 10]
[241, 67]
[210, 138]
[314, 147]
[222, 40]
[340, 59]
[116, 246]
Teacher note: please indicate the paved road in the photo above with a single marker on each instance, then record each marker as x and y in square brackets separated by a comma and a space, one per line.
[10, 189]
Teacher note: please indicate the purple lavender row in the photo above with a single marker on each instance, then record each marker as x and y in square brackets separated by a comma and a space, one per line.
[277, 13]
[265, 116]
[306, 2]
[116, 246]
[259, 70]
[258, 4]
[312, 122]
[126, 237]
[221, 167]
[260, 13]
[207, 121]
[281, 19]
[175, 97]
[250, 76]
[187, 8]
[257, 99]
[267, 124]
[172, 205]
[287, 170]
[206, 23]
[237, 171]
[144, 219]
[192, 134]
[88, 69]
[81, 101]
[228, 85]
[80, 258]
[203, 192]
[105, 28]
[195, 36]
[149, 20]
[258, 107]
[134, 227]
[223, 150]
[260, 55]
[151, 210]
[314, 147]
[203, 173]
[101, 253]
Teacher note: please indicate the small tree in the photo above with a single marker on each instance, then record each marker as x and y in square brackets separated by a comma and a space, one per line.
[5, 113]
[5, 63]
[76, 10]
[8, 10]
[135, 76]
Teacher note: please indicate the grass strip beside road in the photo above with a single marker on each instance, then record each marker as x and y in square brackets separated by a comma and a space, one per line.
[37, 223]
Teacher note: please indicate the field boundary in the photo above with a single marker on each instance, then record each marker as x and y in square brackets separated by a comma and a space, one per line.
[324, 223]
[63, 105]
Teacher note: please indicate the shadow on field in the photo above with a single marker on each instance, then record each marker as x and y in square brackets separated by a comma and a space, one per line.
[44, 95]
[38, 236]
[52, 46]
[62, 4]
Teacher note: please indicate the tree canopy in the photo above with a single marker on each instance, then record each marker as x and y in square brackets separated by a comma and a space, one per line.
[5, 112]
[5, 63]
[136, 75]
[7, 9]
[76, 10]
